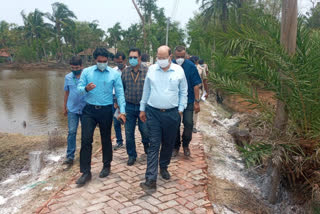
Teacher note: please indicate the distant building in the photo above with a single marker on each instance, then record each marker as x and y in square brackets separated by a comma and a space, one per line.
[5, 56]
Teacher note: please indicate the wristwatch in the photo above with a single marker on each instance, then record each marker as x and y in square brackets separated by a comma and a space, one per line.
[198, 100]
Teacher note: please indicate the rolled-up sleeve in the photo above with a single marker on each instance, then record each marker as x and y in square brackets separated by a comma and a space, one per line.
[83, 82]
[145, 94]
[120, 94]
[183, 94]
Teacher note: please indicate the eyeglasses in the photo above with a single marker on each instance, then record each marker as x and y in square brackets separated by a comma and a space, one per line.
[133, 57]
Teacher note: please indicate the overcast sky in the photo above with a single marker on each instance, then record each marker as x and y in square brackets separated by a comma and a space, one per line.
[107, 12]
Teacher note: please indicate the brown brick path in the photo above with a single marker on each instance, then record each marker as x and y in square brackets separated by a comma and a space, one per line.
[120, 192]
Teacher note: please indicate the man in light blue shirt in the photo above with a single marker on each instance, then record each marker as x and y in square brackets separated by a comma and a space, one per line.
[163, 101]
[73, 105]
[97, 82]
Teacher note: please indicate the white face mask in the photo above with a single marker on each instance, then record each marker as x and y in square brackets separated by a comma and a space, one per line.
[102, 66]
[163, 63]
[180, 61]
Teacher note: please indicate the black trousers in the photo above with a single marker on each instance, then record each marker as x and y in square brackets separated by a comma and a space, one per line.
[188, 126]
[162, 129]
[93, 115]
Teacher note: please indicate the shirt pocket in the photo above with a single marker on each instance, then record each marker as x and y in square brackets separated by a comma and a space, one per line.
[173, 85]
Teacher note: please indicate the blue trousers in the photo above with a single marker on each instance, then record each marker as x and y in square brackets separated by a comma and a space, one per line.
[73, 122]
[162, 128]
[132, 115]
[117, 128]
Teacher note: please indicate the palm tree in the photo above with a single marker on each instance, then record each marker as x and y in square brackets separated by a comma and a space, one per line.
[62, 18]
[36, 30]
[115, 34]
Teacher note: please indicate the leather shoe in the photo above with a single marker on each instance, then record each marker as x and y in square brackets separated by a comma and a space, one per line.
[85, 177]
[131, 161]
[186, 151]
[149, 185]
[104, 172]
[175, 152]
[165, 174]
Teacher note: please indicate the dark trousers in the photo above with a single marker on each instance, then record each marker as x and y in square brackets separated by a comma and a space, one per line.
[162, 129]
[132, 114]
[91, 116]
[188, 126]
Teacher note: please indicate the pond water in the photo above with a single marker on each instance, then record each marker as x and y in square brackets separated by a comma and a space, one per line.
[31, 102]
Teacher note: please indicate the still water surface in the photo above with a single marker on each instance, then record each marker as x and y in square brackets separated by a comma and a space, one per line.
[31, 101]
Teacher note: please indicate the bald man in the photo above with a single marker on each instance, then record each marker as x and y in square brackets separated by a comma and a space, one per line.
[164, 99]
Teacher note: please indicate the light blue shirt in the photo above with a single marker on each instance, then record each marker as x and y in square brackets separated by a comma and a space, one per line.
[105, 81]
[165, 89]
[75, 102]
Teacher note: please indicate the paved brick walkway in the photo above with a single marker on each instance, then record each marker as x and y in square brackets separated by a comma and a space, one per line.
[120, 192]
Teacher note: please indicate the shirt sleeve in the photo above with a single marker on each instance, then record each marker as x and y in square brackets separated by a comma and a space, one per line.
[82, 83]
[196, 80]
[120, 94]
[66, 87]
[183, 93]
[146, 93]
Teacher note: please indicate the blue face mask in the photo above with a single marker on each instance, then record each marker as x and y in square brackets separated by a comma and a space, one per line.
[134, 62]
[76, 73]
[102, 66]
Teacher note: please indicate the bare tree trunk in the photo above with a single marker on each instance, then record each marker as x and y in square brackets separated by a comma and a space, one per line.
[224, 15]
[143, 26]
[288, 40]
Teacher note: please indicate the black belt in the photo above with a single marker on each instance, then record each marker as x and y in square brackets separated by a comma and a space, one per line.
[164, 110]
[98, 107]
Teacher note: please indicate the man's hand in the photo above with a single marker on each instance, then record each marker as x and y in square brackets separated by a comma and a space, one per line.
[181, 113]
[115, 105]
[196, 107]
[65, 111]
[206, 96]
[122, 117]
[143, 117]
[90, 86]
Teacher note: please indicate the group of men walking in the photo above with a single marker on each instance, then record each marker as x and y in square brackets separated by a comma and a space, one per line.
[155, 97]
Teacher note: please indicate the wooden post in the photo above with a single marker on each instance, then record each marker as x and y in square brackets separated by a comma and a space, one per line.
[289, 23]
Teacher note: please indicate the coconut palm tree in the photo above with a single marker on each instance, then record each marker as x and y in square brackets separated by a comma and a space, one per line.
[36, 30]
[63, 21]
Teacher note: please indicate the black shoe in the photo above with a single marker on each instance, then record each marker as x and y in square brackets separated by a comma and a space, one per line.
[131, 161]
[186, 151]
[149, 185]
[104, 172]
[194, 130]
[175, 152]
[118, 146]
[68, 161]
[164, 173]
[85, 177]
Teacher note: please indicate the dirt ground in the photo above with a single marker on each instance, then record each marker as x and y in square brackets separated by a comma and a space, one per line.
[14, 151]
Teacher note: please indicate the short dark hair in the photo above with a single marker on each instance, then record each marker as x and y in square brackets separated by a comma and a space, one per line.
[134, 50]
[145, 57]
[201, 61]
[118, 54]
[180, 48]
[75, 60]
[194, 59]
[101, 52]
